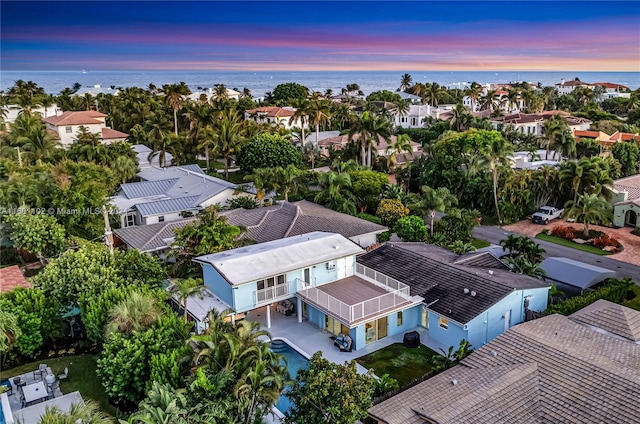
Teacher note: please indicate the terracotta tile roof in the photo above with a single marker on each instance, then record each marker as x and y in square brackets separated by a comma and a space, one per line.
[108, 134]
[550, 370]
[273, 111]
[76, 118]
[611, 317]
[621, 136]
[572, 83]
[528, 118]
[587, 134]
[610, 85]
[343, 140]
[11, 277]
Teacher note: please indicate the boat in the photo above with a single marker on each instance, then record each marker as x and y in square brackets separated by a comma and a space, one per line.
[84, 72]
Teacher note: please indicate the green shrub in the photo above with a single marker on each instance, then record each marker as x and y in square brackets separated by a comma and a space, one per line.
[383, 237]
[370, 218]
[613, 290]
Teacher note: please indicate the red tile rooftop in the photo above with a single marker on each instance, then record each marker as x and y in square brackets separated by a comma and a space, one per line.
[11, 277]
[86, 117]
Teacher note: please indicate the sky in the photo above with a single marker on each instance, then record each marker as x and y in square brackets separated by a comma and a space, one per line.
[305, 35]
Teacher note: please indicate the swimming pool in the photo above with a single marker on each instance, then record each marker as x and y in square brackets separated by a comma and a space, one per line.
[295, 362]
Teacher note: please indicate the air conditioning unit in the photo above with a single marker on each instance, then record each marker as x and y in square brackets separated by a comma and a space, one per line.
[331, 266]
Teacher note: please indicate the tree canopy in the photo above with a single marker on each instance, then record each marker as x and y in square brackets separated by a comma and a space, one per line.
[267, 151]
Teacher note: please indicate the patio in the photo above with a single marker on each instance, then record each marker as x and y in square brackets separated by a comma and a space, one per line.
[33, 391]
[310, 339]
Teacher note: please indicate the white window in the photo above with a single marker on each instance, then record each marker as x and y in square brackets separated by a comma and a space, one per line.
[443, 323]
[161, 218]
[130, 221]
[68, 130]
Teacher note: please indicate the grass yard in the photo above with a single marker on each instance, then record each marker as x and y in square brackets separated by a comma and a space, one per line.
[236, 177]
[635, 302]
[402, 363]
[479, 243]
[569, 243]
[82, 377]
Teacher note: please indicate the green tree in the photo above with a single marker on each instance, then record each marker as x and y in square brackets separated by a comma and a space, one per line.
[264, 182]
[29, 133]
[405, 82]
[577, 176]
[367, 186]
[336, 192]
[319, 112]
[494, 157]
[390, 211]
[229, 133]
[135, 313]
[268, 151]
[290, 91]
[432, 201]
[328, 392]
[287, 180]
[628, 154]
[411, 228]
[383, 96]
[457, 224]
[368, 129]
[9, 332]
[244, 202]
[85, 412]
[124, 167]
[589, 209]
[37, 234]
[33, 301]
[174, 97]
[186, 288]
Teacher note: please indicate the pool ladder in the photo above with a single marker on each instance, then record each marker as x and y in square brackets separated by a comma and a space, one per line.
[278, 346]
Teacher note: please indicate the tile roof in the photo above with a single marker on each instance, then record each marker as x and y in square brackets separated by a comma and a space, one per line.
[11, 277]
[528, 118]
[622, 136]
[573, 83]
[152, 237]
[429, 272]
[611, 317]
[76, 118]
[343, 140]
[291, 219]
[629, 184]
[108, 134]
[164, 206]
[611, 85]
[273, 111]
[550, 370]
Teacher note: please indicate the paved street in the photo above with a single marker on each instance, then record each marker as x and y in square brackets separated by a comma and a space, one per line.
[495, 234]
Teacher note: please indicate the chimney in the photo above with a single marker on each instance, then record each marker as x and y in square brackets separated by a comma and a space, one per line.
[562, 82]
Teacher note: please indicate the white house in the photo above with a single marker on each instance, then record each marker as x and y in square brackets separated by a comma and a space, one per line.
[533, 123]
[209, 95]
[414, 118]
[274, 115]
[67, 125]
[169, 194]
[567, 87]
[382, 148]
[12, 111]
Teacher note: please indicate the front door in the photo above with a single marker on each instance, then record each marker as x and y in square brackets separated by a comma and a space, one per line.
[507, 319]
[307, 275]
[631, 218]
[425, 318]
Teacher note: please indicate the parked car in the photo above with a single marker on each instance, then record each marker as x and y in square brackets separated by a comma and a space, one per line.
[546, 214]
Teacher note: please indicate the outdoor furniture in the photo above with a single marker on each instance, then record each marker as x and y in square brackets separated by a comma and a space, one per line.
[285, 307]
[34, 392]
[343, 342]
[411, 339]
[42, 369]
[64, 375]
[50, 379]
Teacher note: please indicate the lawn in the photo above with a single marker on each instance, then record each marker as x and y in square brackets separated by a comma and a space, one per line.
[402, 363]
[569, 243]
[82, 377]
[236, 177]
[635, 302]
[479, 243]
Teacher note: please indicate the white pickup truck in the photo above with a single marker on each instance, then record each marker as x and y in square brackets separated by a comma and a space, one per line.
[546, 214]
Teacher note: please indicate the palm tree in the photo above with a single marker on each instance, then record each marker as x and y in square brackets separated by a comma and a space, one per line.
[9, 333]
[489, 101]
[510, 244]
[368, 129]
[555, 295]
[461, 118]
[124, 167]
[163, 405]
[300, 114]
[522, 265]
[86, 412]
[401, 144]
[168, 144]
[552, 129]
[201, 119]
[137, 312]
[443, 361]
[433, 93]
[186, 288]
[228, 134]
[287, 179]
[319, 111]
[263, 182]
[30, 134]
[473, 92]
[589, 209]
[496, 155]
[432, 201]
[174, 97]
[405, 82]
[565, 144]
[577, 175]
[335, 192]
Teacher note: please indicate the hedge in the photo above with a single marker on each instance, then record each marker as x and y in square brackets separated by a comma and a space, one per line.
[613, 290]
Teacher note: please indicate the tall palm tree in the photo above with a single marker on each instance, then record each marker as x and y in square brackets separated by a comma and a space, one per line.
[300, 114]
[368, 129]
[263, 181]
[174, 97]
[473, 92]
[30, 134]
[401, 144]
[319, 111]
[85, 412]
[287, 179]
[185, 288]
[461, 118]
[136, 313]
[125, 167]
[405, 82]
[552, 129]
[589, 209]
[201, 121]
[432, 201]
[489, 101]
[577, 175]
[228, 134]
[496, 155]
[336, 193]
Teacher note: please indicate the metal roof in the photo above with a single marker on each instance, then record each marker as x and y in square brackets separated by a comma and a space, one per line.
[575, 273]
[160, 207]
[200, 304]
[151, 237]
[258, 261]
[147, 188]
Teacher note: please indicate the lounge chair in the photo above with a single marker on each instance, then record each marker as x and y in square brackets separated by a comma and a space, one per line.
[64, 375]
[343, 342]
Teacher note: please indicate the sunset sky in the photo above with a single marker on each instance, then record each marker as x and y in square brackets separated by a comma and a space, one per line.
[300, 35]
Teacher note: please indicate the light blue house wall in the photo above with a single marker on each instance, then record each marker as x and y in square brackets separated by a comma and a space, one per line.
[448, 337]
[217, 284]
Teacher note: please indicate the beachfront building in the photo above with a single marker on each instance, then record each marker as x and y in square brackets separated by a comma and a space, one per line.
[383, 148]
[12, 111]
[96, 89]
[626, 202]
[567, 87]
[533, 123]
[169, 194]
[208, 95]
[501, 100]
[577, 369]
[68, 124]
[312, 277]
[415, 116]
[275, 115]
[474, 296]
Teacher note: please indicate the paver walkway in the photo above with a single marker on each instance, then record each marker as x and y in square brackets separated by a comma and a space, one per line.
[631, 243]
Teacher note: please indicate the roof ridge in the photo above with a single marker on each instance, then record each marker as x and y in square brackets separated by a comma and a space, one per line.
[293, 221]
[264, 217]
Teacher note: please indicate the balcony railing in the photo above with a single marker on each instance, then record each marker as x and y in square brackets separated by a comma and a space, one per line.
[275, 293]
[381, 280]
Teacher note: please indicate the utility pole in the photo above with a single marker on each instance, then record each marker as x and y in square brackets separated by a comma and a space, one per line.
[108, 234]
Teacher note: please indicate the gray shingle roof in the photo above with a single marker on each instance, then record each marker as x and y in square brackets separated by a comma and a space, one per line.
[147, 188]
[583, 376]
[152, 237]
[611, 317]
[160, 207]
[427, 270]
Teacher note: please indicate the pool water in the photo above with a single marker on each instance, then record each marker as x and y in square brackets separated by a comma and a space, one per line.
[1, 415]
[295, 362]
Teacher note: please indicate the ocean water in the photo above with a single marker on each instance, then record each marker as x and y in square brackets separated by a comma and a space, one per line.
[260, 82]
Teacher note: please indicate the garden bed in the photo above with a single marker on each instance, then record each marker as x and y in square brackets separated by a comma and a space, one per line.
[402, 363]
[571, 244]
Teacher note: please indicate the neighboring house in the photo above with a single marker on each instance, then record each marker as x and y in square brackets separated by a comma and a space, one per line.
[262, 224]
[626, 202]
[414, 117]
[575, 274]
[11, 278]
[501, 99]
[534, 160]
[382, 148]
[168, 194]
[612, 90]
[310, 135]
[410, 97]
[533, 123]
[143, 153]
[96, 89]
[567, 87]
[67, 125]
[473, 297]
[209, 95]
[12, 111]
[584, 368]
[317, 273]
[605, 139]
[275, 115]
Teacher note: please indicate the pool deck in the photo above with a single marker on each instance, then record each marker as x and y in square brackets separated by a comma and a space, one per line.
[308, 339]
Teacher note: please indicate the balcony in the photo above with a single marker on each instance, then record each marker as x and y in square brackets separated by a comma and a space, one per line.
[275, 293]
